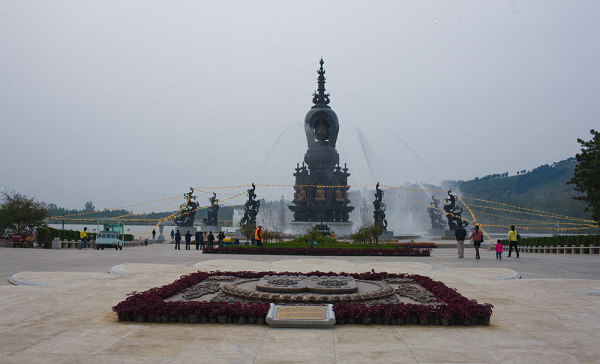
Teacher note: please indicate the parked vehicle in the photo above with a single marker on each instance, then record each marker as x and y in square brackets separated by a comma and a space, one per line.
[110, 233]
[21, 240]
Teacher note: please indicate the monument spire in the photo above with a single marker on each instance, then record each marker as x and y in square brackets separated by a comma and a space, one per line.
[320, 98]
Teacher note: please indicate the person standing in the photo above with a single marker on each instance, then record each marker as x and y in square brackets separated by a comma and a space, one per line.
[188, 240]
[211, 239]
[460, 234]
[513, 240]
[202, 240]
[172, 234]
[258, 235]
[177, 240]
[477, 237]
[197, 238]
[220, 238]
[499, 249]
[153, 234]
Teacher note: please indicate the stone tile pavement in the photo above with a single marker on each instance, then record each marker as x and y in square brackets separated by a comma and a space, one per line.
[542, 318]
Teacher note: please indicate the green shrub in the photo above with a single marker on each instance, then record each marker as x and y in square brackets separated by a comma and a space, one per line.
[367, 235]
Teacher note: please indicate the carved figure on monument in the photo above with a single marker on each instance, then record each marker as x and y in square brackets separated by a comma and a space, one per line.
[320, 195]
[339, 196]
[435, 215]
[302, 195]
[250, 209]
[379, 212]
[321, 165]
[453, 213]
[188, 210]
[212, 211]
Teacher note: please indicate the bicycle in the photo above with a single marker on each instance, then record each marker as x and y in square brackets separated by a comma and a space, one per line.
[83, 244]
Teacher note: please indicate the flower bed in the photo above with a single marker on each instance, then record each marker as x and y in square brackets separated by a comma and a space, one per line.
[453, 308]
[398, 251]
[417, 245]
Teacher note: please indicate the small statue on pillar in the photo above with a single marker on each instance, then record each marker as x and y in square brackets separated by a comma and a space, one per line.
[379, 211]
[453, 213]
[212, 218]
[188, 210]
[435, 215]
[251, 209]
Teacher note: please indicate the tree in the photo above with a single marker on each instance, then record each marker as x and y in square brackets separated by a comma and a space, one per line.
[586, 175]
[21, 214]
[89, 207]
[248, 231]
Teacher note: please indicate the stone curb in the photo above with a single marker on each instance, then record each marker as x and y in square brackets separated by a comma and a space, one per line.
[19, 282]
[514, 276]
[113, 270]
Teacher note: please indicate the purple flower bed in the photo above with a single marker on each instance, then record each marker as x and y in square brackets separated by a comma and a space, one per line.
[449, 308]
[400, 251]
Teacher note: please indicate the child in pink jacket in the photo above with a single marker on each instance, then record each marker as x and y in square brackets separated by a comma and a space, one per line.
[499, 250]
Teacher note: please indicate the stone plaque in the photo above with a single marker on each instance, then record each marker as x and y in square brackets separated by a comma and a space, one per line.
[301, 316]
[301, 313]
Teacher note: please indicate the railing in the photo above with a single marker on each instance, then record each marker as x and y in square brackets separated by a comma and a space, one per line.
[561, 249]
[69, 244]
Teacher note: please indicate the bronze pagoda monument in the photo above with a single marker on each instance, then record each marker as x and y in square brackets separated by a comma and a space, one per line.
[321, 188]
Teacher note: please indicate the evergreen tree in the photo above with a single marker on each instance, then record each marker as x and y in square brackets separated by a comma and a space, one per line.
[586, 176]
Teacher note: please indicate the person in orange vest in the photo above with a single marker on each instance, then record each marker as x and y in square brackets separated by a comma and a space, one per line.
[258, 236]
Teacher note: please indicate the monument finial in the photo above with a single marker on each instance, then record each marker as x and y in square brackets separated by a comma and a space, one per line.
[320, 98]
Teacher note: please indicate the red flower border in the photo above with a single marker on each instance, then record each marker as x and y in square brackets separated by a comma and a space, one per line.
[150, 306]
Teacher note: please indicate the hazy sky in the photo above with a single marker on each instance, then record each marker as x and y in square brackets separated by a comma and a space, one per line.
[127, 101]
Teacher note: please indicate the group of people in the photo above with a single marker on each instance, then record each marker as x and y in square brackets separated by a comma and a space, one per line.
[477, 237]
[202, 239]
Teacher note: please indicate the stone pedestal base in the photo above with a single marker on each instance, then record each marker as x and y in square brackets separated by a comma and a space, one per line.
[387, 235]
[56, 243]
[339, 228]
[185, 229]
[437, 232]
[207, 228]
[449, 234]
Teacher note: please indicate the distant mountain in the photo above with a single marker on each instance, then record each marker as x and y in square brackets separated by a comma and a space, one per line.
[543, 188]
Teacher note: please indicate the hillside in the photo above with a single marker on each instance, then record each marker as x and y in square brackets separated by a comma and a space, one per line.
[544, 188]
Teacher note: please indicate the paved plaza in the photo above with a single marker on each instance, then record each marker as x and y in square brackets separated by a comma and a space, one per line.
[550, 315]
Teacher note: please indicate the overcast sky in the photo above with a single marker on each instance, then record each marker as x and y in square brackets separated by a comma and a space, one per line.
[127, 101]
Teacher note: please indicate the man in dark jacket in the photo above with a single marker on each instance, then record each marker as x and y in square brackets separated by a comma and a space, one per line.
[211, 239]
[188, 240]
[197, 238]
[220, 238]
[460, 234]
[177, 240]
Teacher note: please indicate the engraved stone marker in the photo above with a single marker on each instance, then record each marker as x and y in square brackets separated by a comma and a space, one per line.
[301, 316]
